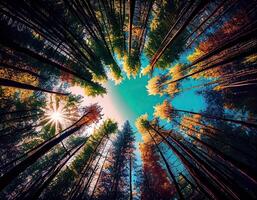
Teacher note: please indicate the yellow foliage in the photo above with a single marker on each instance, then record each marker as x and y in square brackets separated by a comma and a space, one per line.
[251, 59]
[141, 124]
[218, 88]
[175, 71]
[155, 23]
[191, 123]
[212, 73]
[117, 79]
[163, 110]
[172, 89]
[99, 79]
[153, 86]
[130, 70]
[146, 70]
[197, 53]
[26, 78]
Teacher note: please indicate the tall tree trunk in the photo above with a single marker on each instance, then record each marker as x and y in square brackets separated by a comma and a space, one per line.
[98, 178]
[168, 168]
[195, 11]
[61, 164]
[247, 33]
[130, 179]
[9, 66]
[235, 165]
[76, 187]
[131, 15]
[39, 152]
[207, 187]
[85, 188]
[248, 124]
[15, 84]
[206, 169]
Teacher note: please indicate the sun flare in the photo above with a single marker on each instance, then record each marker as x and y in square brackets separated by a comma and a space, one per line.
[56, 116]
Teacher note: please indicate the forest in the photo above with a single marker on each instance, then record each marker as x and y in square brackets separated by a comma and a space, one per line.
[128, 99]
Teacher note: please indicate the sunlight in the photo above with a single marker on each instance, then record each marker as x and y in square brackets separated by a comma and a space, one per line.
[56, 116]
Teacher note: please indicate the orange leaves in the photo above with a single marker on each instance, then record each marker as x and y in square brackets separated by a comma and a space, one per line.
[234, 24]
[92, 115]
[176, 73]
[190, 123]
[172, 89]
[157, 177]
[160, 84]
[163, 110]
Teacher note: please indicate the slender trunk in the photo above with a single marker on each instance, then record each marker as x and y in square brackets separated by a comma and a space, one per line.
[222, 134]
[248, 124]
[98, 178]
[15, 84]
[76, 187]
[207, 187]
[195, 11]
[217, 9]
[18, 111]
[9, 66]
[168, 168]
[30, 190]
[207, 170]
[81, 193]
[39, 190]
[246, 34]
[130, 179]
[43, 59]
[182, 13]
[131, 15]
[237, 166]
[38, 153]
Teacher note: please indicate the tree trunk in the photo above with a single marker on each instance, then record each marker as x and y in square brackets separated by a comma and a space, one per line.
[38, 153]
[248, 124]
[61, 164]
[168, 168]
[10, 83]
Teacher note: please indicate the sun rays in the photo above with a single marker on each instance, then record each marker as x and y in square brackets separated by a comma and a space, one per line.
[57, 114]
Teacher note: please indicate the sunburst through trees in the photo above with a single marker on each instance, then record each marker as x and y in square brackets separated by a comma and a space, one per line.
[128, 99]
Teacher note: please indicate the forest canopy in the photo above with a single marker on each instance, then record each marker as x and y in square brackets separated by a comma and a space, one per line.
[128, 99]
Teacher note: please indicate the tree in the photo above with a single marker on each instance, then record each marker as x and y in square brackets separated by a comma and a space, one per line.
[116, 179]
[91, 115]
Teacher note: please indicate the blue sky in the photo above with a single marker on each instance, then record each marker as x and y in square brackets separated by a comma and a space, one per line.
[130, 99]
[133, 100]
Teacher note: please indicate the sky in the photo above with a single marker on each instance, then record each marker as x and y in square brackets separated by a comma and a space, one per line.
[129, 99]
